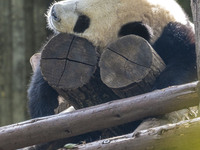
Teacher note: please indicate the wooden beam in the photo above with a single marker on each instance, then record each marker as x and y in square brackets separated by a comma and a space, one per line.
[195, 4]
[98, 117]
[180, 136]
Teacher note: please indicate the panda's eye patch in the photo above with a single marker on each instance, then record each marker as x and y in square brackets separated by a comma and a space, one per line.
[82, 24]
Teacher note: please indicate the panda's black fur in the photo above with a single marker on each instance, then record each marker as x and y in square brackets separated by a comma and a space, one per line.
[43, 99]
[175, 45]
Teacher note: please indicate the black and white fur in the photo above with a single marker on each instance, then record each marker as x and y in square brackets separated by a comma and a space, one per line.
[162, 23]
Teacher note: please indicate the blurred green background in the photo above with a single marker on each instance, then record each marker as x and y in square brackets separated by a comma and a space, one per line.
[22, 32]
[186, 6]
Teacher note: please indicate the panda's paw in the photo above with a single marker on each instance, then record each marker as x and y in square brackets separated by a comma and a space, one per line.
[175, 74]
[125, 61]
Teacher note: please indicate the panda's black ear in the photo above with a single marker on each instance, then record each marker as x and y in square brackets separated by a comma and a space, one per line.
[136, 28]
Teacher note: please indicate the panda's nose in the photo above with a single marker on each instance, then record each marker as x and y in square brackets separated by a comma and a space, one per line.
[54, 14]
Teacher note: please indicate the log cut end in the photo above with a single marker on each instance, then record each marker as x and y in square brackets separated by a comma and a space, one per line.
[68, 62]
[130, 65]
[125, 61]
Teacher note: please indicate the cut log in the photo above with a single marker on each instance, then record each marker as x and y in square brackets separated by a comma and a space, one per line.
[68, 61]
[130, 66]
[69, 64]
[92, 93]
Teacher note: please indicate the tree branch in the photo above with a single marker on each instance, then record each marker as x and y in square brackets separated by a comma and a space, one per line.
[183, 135]
[98, 117]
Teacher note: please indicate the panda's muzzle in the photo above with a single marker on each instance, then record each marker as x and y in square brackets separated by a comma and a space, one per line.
[54, 14]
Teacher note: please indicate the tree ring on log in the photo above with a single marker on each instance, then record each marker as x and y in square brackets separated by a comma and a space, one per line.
[68, 61]
[125, 61]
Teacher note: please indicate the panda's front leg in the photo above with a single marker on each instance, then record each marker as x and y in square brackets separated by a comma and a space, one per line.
[176, 74]
[177, 49]
[43, 99]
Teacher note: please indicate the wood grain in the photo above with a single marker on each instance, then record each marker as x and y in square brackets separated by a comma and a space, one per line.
[68, 62]
[130, 66]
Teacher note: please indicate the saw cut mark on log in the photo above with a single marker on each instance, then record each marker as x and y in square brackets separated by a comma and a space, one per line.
[180, 136]
[130, 66]
[98, 117]
[68, 60]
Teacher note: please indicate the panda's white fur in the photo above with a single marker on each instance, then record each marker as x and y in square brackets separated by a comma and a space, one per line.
[108, 16]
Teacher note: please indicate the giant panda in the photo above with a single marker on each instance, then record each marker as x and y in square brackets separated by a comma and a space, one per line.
[162, 23]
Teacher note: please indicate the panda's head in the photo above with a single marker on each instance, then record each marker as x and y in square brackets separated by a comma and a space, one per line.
[103, 21]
